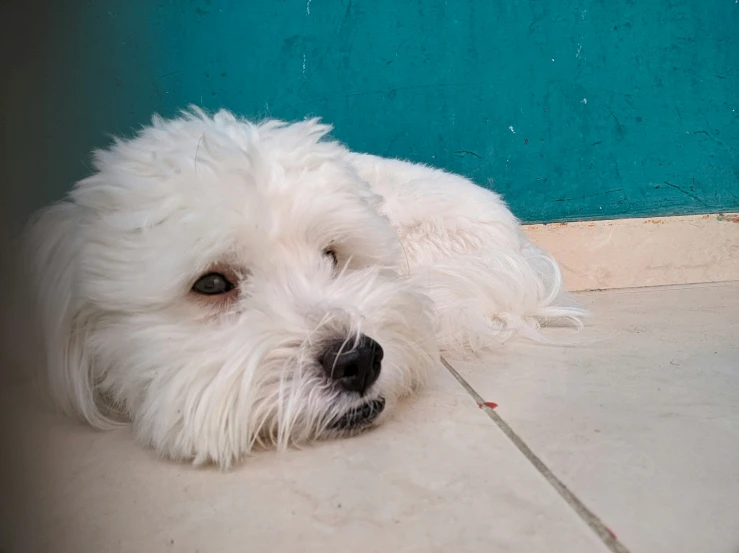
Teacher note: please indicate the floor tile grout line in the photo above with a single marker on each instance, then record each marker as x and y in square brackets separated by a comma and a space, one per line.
[588, 516]
[658, 287]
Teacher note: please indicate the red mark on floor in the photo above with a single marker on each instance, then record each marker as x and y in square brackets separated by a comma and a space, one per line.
[611, 533]
[487, 404]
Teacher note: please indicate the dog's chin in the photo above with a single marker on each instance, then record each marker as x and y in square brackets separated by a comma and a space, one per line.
[358, 418]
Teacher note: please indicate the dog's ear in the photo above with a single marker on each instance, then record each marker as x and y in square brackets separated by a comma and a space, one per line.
[52, 249]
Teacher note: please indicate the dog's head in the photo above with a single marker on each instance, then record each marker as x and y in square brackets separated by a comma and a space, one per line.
[224, 284]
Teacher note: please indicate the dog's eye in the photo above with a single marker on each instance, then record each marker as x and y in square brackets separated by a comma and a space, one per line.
[212, 284]
[332, 255]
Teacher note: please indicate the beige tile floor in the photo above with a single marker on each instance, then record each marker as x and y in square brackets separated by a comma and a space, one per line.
[640, 420]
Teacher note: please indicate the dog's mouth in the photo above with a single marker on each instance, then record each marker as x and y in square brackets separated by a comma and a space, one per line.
[360, 417]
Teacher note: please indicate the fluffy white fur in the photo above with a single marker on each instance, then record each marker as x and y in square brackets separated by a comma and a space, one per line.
[428, 263]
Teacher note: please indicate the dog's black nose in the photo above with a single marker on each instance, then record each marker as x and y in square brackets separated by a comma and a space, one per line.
[353, 367]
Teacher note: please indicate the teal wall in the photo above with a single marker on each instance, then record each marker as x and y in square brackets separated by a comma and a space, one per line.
[577, 109]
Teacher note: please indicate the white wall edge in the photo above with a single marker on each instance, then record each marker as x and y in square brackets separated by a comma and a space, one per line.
[657, 251]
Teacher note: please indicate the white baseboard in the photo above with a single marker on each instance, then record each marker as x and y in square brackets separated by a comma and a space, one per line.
[627, 253]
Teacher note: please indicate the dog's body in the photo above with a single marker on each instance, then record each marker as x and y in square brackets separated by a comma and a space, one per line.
[223, 284]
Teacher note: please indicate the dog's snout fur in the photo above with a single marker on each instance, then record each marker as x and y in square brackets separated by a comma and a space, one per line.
[354, 367]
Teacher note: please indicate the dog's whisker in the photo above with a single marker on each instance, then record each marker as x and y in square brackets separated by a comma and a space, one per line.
[197, 149]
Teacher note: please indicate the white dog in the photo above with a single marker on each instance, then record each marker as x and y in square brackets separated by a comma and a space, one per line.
[225, 284]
